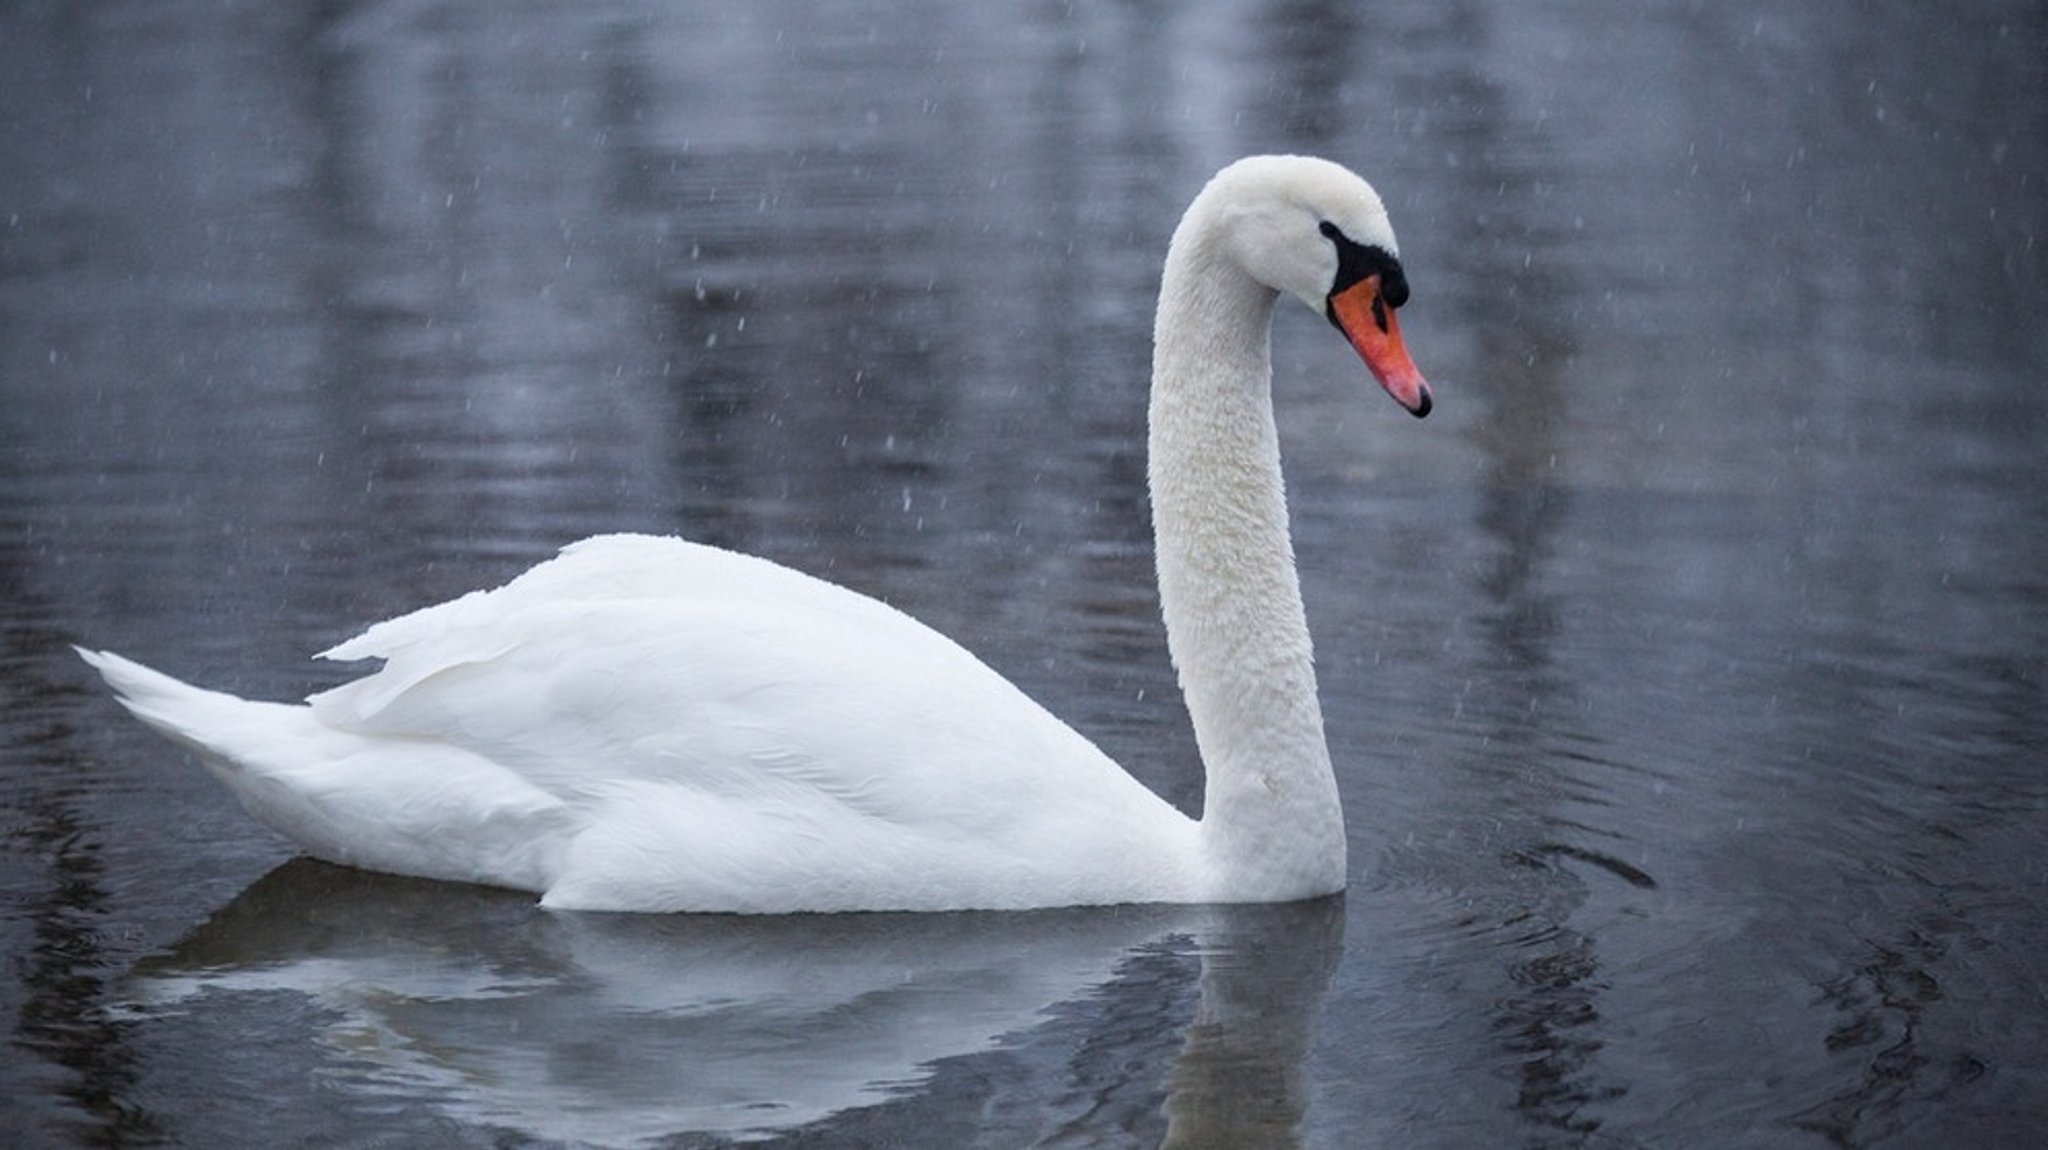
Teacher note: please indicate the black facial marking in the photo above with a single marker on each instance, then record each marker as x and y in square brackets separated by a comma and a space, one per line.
[1356, 261]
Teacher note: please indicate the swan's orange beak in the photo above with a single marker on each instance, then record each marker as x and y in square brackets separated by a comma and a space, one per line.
[1366, 320]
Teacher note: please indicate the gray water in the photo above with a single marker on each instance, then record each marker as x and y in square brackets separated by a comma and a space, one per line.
[1684, 671]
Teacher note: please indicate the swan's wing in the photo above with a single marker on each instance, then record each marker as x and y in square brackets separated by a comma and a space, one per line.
[635, 657]
[709, 700]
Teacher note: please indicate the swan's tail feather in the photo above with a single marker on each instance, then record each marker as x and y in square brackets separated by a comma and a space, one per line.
[201, 720]
[406, 806]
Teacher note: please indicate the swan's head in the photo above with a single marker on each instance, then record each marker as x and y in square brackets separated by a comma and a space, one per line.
[1313, 230]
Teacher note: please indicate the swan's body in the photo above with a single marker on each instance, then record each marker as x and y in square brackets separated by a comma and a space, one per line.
[651, 724]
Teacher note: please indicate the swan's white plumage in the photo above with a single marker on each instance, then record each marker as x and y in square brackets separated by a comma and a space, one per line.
[652, 724]
[662, 725]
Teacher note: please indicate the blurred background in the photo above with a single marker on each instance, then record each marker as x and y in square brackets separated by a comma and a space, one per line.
[1684, 671]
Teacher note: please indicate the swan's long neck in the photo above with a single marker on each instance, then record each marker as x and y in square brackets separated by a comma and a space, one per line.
[1271, 825]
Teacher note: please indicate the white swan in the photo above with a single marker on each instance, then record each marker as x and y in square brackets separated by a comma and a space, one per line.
[654, 725]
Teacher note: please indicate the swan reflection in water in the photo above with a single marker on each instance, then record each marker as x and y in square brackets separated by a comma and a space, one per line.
[618, 1030]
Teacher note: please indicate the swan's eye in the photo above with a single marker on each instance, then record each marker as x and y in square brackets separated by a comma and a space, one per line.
[1356, 261]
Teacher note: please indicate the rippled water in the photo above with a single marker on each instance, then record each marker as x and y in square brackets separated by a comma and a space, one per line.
[1684, 671]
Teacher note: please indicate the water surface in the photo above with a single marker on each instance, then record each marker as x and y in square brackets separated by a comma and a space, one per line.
[1684, 671]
